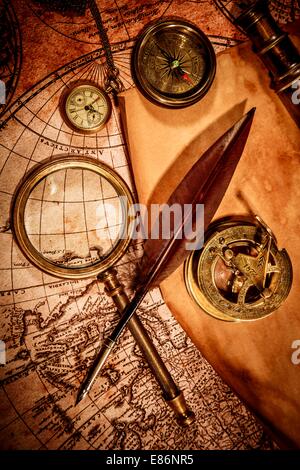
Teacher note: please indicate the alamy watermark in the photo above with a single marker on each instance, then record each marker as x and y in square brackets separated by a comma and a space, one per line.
[2, 353]
[174, 221]
[2, 92]
[295, 357]
[296, 94]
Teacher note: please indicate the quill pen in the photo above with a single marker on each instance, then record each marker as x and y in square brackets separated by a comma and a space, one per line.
[205, 183]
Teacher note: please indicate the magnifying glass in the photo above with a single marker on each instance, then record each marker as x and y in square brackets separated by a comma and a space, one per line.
[70, 218]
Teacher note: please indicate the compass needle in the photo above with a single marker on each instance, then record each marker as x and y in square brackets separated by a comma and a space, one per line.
[165, 77]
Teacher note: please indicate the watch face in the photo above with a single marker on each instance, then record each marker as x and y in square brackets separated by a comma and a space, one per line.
[173, 63]
[86, 107]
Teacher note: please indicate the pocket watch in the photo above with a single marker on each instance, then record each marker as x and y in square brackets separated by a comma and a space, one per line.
[85, 107]
[173, 63]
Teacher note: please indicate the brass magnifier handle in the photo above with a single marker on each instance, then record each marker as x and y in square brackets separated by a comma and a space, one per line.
[172, 395]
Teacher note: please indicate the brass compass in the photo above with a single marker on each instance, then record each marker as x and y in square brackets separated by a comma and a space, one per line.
[173, 63]
[240, 274]
[85, 107]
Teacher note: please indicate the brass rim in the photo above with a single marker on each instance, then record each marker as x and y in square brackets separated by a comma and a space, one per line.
[18, 212]
[195, 270]
[192, 286]
[81, 84]
[149, 91]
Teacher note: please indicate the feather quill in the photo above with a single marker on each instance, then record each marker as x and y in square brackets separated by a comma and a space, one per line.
[205, 183]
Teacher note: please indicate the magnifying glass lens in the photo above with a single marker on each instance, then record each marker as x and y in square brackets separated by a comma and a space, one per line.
[74, 217]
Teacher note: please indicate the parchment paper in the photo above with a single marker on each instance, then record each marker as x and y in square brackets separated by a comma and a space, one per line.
[254, 358]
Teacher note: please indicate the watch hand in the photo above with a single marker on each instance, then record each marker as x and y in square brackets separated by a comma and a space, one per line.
[89, 107]
[93, 102]
[86, 107]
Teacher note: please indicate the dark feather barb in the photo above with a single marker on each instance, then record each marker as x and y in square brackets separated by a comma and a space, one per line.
[206, 183]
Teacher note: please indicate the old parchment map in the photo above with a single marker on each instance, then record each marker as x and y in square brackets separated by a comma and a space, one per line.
[52, 328]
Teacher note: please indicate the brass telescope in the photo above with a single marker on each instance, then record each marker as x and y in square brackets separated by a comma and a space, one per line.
[277, 52]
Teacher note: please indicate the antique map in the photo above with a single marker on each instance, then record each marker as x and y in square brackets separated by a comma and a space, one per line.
[50, 329]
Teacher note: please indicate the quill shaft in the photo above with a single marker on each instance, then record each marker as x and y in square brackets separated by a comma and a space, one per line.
[173, 396]
[213, 171]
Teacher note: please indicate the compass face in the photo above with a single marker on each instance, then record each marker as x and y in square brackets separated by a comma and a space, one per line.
[173, 63]
[86, 107]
